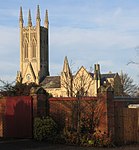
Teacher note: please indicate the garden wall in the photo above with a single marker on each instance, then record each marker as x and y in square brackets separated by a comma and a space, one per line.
[17, 113]
[94, 111]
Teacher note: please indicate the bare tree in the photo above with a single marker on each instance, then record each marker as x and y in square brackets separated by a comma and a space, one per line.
[128, 86]
[12, 89]
[6, 88]
[80, 86]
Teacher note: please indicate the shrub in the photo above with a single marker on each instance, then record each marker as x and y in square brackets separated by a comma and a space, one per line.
[70, 136]
[96, 139]
[44, 128]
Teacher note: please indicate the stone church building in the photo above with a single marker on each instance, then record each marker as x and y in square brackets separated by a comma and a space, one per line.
[34, 65]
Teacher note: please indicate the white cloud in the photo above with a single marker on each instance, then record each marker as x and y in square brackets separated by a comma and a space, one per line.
[88, 32]
[9, 54]
[88, 38]
[112, 49]
[9, 39]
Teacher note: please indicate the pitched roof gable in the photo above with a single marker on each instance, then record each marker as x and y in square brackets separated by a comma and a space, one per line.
[82, 69]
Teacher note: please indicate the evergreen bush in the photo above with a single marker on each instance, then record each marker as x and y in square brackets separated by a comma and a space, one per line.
[44, 128]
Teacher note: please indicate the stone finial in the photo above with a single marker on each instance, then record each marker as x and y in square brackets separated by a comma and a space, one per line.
[29, 19]
[46, 23]
[18, 77]
[66, 67]
[38, 13]
[21, 17]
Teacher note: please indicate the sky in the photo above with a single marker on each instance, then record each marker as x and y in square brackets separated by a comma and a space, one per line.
[86, 31]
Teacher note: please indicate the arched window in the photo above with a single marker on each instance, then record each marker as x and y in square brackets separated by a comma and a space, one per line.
[26, 50]
[33, 49]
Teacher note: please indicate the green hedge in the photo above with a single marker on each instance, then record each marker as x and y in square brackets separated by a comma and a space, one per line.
[44, 128]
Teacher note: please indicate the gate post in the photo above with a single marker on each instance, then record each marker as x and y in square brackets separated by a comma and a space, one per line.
[105, 97]
[40, 102]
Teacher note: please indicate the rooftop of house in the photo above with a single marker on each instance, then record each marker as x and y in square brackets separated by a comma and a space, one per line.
[107, 75]
[51, 82]
[54, 81]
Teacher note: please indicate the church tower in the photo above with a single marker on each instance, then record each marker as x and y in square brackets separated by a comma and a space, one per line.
[34, 49]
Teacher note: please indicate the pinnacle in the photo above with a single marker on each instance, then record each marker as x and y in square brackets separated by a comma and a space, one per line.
[29, 19]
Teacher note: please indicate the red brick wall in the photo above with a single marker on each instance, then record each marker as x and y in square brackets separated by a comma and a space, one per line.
[64, 110]
[2, 112]
[18, 117]
[11, 108]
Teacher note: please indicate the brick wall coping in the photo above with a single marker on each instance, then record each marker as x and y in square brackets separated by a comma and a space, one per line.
[71, 98]
[126, 99]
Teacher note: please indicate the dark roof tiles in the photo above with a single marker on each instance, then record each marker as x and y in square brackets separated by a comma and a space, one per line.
[54, 81]
[109, 75]
[51, 82]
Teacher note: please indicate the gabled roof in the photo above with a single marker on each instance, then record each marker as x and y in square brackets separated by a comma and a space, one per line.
[51, 82]
[66, 67]
[82, 69]
[29, 70]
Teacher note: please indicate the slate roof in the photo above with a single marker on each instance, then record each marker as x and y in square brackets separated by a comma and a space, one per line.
[54, 81]
[109, 75]
[51, 82]
[104, 77]
[92, 74]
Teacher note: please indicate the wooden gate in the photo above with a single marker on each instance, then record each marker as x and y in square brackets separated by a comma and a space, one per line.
[126, 125]
[18, 117]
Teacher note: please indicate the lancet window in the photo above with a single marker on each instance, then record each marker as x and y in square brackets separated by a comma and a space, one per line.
[26, 50]
[33, 49]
